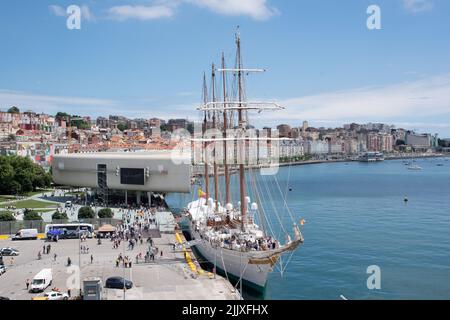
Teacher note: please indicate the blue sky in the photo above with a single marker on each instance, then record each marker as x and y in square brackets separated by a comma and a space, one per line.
[146, 58]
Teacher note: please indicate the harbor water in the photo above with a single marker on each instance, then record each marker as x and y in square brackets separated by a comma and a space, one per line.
[356, 216]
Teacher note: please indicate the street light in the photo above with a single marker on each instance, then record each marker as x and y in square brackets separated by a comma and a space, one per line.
[124, 284]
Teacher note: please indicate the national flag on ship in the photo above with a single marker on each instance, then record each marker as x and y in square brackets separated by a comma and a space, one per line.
[201, 194]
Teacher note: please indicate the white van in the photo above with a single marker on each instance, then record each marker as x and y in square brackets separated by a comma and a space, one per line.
[25, 234]
[42, 280]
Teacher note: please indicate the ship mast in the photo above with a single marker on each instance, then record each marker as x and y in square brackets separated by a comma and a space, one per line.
[225, 127]
[205, 123]
[242, 127]
[240, 107]
[216, 176]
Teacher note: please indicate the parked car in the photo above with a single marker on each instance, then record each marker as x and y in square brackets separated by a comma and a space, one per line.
[118, 283]
[55, 295]
[9, 252]
[2, 269]
[4, 298]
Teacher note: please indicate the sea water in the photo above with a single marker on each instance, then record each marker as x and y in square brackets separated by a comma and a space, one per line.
[356, 217]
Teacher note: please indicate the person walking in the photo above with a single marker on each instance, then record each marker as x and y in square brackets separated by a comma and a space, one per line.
[54, 257]
[27, 283]
[69, 262]
[92, 259]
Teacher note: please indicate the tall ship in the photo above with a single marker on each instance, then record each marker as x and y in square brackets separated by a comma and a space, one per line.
[234, 229]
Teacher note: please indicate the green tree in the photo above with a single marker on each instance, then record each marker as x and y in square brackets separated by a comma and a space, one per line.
[86, 213]
[7, 216]
[190, 127]
[31, 215]
[122, 127]
[60, 216]
[20, 175]
[105, 213]
[62, 115]
[13, 109]
[164, 127]
[6, 175]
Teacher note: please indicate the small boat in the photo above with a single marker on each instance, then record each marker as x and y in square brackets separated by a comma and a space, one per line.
[415, 167]
[440, 165]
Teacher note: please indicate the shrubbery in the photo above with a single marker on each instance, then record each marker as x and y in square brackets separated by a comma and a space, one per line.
[60, 216]
[86, 213]
[105, 213]
[31, 215]
[7, 216]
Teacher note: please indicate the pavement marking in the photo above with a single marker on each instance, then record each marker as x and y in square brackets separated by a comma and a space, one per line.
[6, 237]
[187, 255]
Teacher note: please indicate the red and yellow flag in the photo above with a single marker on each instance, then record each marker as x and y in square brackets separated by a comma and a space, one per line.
[201, 194]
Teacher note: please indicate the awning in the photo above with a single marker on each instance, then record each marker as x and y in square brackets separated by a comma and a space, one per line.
[107, 228]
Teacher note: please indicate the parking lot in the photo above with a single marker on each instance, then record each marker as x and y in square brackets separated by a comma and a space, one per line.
[166, 278]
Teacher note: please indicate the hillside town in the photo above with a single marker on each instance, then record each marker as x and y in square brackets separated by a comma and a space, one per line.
[40, 136]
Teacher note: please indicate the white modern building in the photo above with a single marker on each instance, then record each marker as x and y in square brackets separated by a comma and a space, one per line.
[135, 174]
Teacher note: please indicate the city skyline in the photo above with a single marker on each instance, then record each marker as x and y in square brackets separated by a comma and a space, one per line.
[140, 59]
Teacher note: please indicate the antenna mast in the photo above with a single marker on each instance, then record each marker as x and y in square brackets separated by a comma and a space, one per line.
[216, 179]
[242, 127]
[205, 123]
[225, 127]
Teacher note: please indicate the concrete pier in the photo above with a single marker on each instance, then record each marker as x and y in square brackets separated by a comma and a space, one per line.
[170, 277]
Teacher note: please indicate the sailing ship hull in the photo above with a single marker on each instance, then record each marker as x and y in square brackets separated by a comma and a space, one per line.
[233, 263]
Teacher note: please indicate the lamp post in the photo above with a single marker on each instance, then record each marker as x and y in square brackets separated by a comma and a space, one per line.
[124, 283]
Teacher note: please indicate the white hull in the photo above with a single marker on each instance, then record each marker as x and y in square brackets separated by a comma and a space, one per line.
[233, 262]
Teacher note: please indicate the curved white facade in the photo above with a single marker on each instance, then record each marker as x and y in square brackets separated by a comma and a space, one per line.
[163, 171]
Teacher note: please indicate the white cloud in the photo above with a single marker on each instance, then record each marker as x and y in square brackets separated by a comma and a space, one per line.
[416, 6]
[86, 13]
[122, 13]
[256, 9]
[428, 97]
[51, 104]
[57, 10]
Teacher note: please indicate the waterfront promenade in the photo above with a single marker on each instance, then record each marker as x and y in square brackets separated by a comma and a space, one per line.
[198, 170]
[169, 277]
